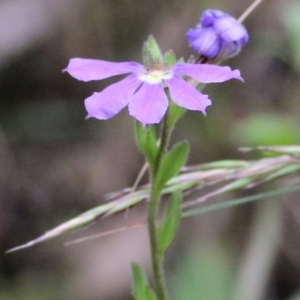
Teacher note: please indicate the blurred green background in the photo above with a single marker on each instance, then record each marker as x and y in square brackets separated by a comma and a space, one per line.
[55, 165]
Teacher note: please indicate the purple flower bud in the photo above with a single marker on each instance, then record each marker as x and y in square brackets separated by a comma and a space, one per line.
[218, 35]
[204, 41]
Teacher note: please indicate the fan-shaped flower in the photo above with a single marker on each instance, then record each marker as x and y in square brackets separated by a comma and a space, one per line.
[143, 89]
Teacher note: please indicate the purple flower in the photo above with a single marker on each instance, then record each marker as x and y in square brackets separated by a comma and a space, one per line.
[218, 35]
[143, 90]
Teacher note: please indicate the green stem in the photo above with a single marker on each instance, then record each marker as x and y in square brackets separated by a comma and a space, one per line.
[156, 256]
[166, 131]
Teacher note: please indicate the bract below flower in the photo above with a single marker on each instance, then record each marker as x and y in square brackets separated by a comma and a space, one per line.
[143, 89]
[218, 35]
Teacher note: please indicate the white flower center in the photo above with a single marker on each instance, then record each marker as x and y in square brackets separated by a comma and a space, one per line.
[155, 76]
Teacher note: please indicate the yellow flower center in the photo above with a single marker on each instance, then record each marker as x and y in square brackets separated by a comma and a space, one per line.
[155, 76]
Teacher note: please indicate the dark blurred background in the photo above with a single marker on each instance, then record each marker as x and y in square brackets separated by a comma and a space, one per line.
[54, 164]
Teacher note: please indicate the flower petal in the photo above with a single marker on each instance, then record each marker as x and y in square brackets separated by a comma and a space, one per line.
[204, 41]
[112, 99]
[231, 30]
[210, 16]
[149, 104]
[187, 96]
[94, 69]
[229, 49]
[206, 73]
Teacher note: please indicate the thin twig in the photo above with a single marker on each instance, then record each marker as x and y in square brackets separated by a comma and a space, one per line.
[249, 10]
[139, 177]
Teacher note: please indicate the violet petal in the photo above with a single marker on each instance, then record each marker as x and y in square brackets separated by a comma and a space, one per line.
[231, 30]
[149, 104]
[187, 96]
[210, 16]
[94, 69]
[206, 73]
[112, 99]
[204, 41]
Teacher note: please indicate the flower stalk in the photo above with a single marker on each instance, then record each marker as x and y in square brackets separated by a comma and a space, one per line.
[156, 257]
[153, 209]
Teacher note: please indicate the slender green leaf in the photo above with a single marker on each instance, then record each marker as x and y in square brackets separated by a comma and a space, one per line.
[127, 201]
[141, 289]
[154, 49]
[229, 163]
[139, 282]
[146, 139]
[175, 112]
[229, 175]
[239, 201]
[170, 222]
[181, 186]
[294, 150]
[232, 186]
[283, 171]
[171, 164]
[151, 52]
[237, 184]
[80, 221]
[169, 58]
